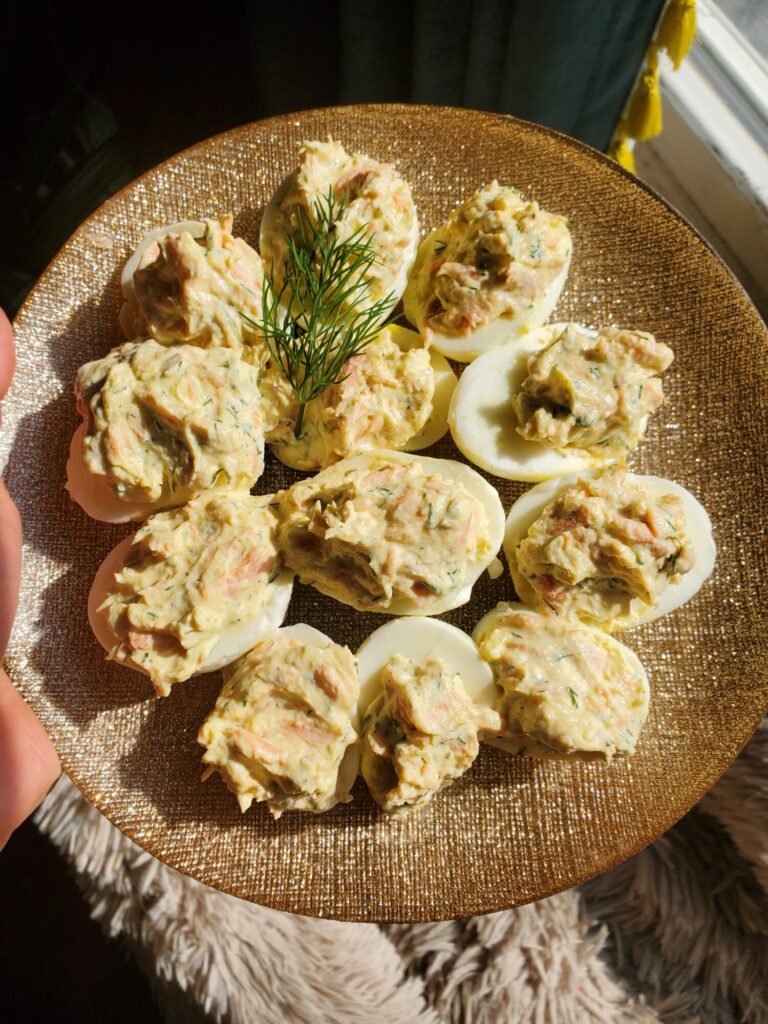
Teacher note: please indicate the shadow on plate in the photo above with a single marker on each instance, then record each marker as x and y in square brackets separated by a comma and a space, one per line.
[77, 679]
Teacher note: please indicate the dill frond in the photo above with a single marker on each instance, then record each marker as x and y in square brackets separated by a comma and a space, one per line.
[312, 322]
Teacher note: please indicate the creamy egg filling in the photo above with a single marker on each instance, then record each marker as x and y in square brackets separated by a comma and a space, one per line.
[369, 537]
[565, 688]
[602, 544]
[189, 575]
[198, 289]
[282, 724]
[420, 734]
[382, 401]
[165, 423]
[496, 257]
[592, 391]
[378, 201]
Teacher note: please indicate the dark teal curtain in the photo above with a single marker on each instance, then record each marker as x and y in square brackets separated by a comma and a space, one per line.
[85, 107]
[568, 64]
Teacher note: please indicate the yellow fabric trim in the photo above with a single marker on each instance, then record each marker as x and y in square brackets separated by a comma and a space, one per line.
[621, 152]
[677, 29]
[642, 118]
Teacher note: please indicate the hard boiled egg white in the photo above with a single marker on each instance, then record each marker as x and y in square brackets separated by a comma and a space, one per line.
[272, 224]
[629, 703]
[445, 384]
[477, 487]
[350, 762]
[527, 509]
[421, 638]
[501, 331]
[94, 495]
[234, 641]
[437, 424]
[130, 315]
[483, 422]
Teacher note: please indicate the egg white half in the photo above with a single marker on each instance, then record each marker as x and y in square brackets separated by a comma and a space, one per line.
[477, 487]
[271, 225]
[306, 634]
[483, 423]
[445, 385]
[350, 762]
[234, 641]
[95, 496]
[421, 638]
[129, 314]
[529, 506]
[511, 744]
[500, 331]
[437, 423]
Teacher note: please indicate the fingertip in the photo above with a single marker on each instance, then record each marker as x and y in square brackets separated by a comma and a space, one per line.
[10, 564]
[29, 764]
[7, 354]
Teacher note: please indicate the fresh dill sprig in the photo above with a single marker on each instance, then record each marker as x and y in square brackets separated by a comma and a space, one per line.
[311, 322]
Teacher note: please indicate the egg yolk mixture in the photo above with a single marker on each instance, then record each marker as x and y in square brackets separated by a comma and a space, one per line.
[282, 724]
[383, 400]
[496, 257]
[378, 200]
[594, 393]
[420, 734]
[603, 550]
[565, 688]
[164, 423]
[189, 575]
[371, 536]
[196, 289]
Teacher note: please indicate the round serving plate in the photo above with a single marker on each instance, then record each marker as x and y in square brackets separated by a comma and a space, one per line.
[511, 830]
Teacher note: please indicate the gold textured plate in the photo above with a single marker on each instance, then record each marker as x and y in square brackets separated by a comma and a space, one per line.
[511, 830]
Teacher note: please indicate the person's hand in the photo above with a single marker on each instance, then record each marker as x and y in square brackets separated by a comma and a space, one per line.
[29, 764]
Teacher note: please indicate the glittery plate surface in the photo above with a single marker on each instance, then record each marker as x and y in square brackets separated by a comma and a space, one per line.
[511, 830]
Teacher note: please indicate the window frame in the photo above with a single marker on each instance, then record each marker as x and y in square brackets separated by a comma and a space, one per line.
[713, 151]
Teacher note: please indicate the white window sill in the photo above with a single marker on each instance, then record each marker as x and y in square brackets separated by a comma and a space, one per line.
[711, 160]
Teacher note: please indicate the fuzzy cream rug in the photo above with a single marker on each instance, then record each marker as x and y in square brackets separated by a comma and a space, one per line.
[678, 934]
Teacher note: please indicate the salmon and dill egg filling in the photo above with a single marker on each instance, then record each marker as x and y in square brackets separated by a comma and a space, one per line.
[190, 576]
[383, 399]
[495, 258]
[604, 550]
[204, 290]
[162, 424]
[373, 536]
[420, 734]
[565, 688]
[377, 201]
[282, 725]
[592, 390]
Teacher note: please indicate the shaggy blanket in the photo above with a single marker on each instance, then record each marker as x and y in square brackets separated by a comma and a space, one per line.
[677, 934]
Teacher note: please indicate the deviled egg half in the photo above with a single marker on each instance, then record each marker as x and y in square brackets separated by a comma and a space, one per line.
[376, 201]
[564, 688]
[162, 424]
[561, 399]
[282, 729]
[393, 395]
[609, 547]
[193, 589]
[392, 532]
[194, 282]
[425, 694]
[489, 275]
